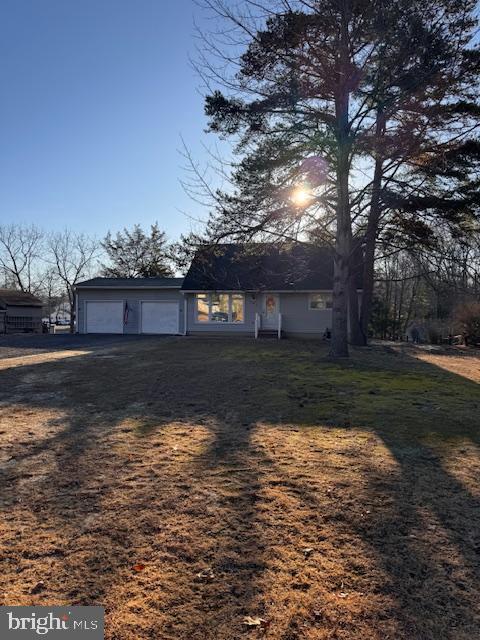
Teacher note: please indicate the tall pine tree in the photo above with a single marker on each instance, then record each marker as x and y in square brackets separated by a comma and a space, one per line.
[351, 120]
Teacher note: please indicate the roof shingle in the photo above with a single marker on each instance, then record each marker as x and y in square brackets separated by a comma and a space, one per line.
[254, 267]
[15, 298]
[131, 283]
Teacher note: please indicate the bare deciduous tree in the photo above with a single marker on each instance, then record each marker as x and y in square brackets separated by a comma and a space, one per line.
[52, 291]
[21, 250]
[74, 256]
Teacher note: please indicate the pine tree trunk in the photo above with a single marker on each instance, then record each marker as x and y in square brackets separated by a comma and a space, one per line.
[356, 336]
[339, 342]
[371, 235]
[341, 273]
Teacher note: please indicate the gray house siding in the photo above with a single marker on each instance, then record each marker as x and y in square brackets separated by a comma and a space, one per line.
[297, 318]
[133, 297]
[26, 312]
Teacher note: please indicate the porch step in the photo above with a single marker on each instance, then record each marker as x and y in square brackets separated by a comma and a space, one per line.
[268, 333]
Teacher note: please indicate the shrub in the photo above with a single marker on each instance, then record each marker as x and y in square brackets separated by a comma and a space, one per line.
[468, 318]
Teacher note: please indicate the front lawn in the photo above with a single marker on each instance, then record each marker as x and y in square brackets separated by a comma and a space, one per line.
[192, 485]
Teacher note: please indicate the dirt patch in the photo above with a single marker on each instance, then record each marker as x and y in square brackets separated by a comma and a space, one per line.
[189, 486]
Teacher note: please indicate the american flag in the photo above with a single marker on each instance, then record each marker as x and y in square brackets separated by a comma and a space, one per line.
[125, 313]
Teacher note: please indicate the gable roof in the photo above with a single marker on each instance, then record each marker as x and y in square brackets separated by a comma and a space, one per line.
[131, 283]
[14, 298]
[268, 267]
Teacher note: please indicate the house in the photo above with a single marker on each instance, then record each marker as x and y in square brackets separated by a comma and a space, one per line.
[20, 312]
[259, 289]
[229, 289]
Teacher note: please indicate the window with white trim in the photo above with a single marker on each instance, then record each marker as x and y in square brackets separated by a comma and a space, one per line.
[320, 301]
[220, 307]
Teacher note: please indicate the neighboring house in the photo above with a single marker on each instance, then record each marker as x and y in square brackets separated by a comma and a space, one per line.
[60, 314]
[20, 312]
[229, 289]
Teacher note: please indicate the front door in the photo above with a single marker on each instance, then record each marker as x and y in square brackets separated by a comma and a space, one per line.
[270, 309]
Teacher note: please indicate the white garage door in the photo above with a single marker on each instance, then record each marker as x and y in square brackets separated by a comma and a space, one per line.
[159, 317]
[104, 317]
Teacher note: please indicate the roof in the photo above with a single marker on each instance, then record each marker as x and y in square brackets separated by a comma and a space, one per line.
[254, 267]
[131, 283]
[14, 298]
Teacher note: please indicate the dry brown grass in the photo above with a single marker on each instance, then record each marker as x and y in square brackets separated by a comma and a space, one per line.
[330, 500]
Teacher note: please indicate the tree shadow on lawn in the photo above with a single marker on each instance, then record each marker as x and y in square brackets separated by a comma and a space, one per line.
[83, 502]
[420, 522]
[427, 540]
[161, 496]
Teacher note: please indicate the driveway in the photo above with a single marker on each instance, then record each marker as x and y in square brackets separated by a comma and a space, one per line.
[13, 346]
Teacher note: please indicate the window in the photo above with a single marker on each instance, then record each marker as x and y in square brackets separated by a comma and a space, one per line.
[320, 301]
[220, 307]
[237, 308]
[219, 304]
[202, 307]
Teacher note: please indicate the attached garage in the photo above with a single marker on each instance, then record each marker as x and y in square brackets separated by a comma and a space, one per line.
[152, 306]
[159, 317]
[104, 317]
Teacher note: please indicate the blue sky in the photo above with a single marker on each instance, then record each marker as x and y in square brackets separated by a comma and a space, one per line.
[96, 95]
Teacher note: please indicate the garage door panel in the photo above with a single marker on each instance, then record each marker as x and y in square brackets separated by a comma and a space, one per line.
[159, 317]
[104, 317]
